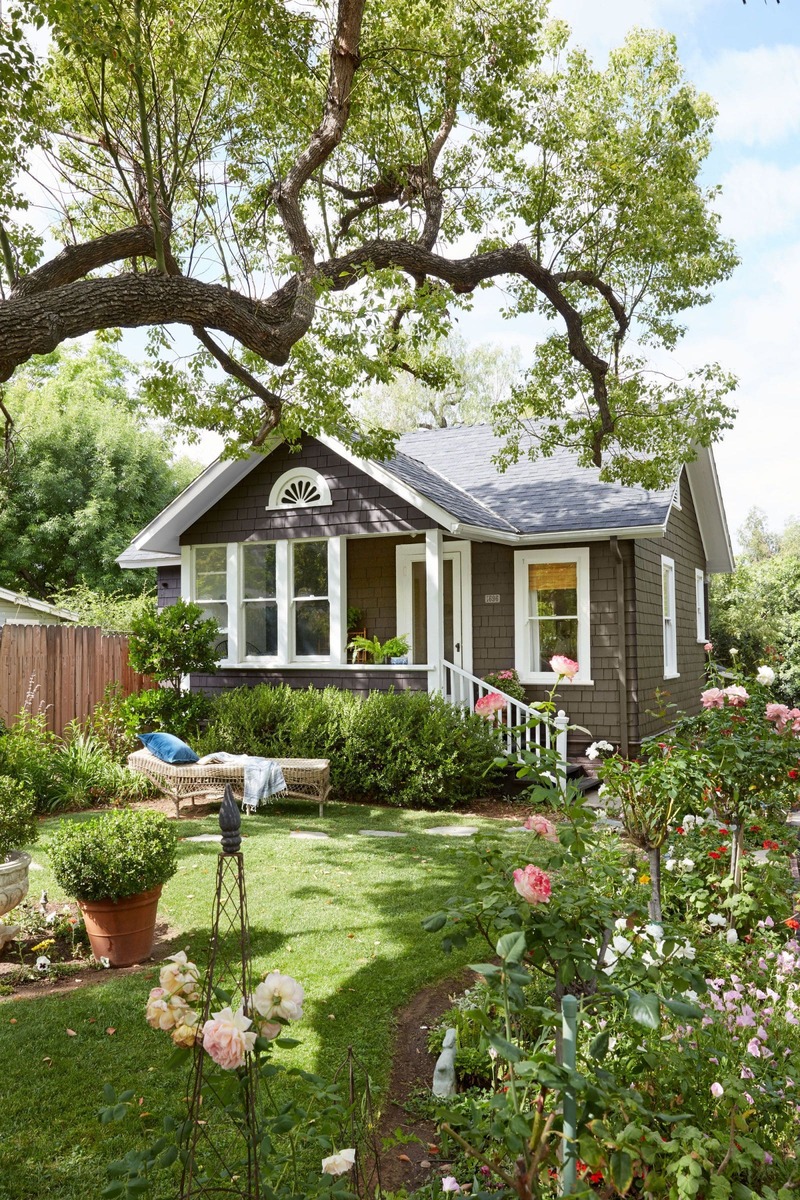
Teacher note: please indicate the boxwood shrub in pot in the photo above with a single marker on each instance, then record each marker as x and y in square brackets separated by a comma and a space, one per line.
[18, 828]
[115, 866]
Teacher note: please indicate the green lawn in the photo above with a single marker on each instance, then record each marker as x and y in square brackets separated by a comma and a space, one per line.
[341, 915]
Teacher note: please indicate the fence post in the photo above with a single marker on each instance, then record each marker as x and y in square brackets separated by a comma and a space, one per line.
[561, 723]
[569, 1025]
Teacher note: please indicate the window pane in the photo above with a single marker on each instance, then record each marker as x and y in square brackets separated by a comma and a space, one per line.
[553, 589]
[419, 611]
[261, 629]
[666, 578]
[310, 568]
[259, 571]
[220, 614]
[210, 558]
[211, 586]
[312, 624]
[552, 637]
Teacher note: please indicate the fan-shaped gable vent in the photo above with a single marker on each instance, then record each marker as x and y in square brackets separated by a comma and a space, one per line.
[299, 489]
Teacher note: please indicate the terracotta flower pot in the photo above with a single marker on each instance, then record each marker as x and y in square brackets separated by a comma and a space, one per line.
[122, 930]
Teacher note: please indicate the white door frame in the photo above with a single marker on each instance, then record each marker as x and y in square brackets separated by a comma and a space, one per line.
[460, 553]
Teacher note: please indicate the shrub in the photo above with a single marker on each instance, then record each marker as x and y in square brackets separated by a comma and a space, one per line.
[401, 748]
[115, 855]
[18, 825]
[174, 642]
[178, 712]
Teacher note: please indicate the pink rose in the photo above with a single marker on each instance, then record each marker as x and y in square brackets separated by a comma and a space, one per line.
[270, 1029]
[565, 668]
[737, 696]
[536, 823]
[779, 713]
[532, 884]
[794, 717]
[708, 647]
[489, 704]
[227, 1040]
[712, 698]
[164, 1011]
[505, 675]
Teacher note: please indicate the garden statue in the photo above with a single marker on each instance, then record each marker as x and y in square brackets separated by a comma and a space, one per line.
[444, 1075]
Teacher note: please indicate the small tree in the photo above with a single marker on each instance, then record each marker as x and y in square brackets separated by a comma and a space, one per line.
[174, 642]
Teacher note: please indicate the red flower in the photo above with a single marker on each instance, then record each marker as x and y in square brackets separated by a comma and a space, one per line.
[792, 922]
[768, 845]
[755, 829]
[794, 774]
[679, 829]
[724, 832]
[596, 1177]
[713, 854]
[723, 849]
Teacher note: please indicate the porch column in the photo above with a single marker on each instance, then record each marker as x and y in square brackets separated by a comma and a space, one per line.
[434, 578]
[337, 592]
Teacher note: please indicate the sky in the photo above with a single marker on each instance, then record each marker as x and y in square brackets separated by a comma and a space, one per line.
[748, 58]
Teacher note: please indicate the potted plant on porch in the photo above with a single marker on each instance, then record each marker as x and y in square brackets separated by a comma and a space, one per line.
[395, 649]
[18, 828]
[115, 866]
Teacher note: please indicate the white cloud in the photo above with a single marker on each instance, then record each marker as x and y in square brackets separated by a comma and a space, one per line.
[759, 200]
[600, 25]
[757, 92]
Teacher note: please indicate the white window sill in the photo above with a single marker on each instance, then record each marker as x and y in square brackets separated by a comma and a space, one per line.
[674, 675]
[271, 664]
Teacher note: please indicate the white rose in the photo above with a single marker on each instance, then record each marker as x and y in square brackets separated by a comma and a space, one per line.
[279, 996]
[688, 821]
[621, 923]
[339, 1164]
[765, 675]
[731, 937]
[670, 864]
[715, 919]
[687, 864]
[655, 932]
[180, 975]
[622, 946]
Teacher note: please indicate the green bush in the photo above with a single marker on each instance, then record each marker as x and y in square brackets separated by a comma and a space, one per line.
[174, 642]
[176, 712]
[18, 825]
[401, 748]
[115, 855]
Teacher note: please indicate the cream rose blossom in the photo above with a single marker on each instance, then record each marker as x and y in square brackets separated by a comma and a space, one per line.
[565, 667]
[533, 884]
[227, 1039]
[180, 975]
[164, 1011]
[339, 1164]
[536, 823]
[188, 1032]
[279, 996]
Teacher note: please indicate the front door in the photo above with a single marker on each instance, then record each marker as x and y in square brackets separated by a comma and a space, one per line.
[412, 602]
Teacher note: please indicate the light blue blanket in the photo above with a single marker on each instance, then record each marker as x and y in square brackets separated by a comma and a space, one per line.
[263, 778]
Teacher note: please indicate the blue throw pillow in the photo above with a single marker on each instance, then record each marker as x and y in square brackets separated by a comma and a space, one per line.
[168, 748]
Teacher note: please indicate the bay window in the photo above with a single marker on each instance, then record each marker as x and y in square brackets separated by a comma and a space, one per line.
[551, 604]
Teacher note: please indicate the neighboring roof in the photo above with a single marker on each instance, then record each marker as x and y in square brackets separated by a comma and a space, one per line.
[449, 475]
[17, 600]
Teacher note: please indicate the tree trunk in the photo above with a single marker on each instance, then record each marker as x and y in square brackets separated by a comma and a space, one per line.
[654, 907]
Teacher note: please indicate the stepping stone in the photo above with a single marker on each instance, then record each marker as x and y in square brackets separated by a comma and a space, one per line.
[452, 830]
[381, 833]
[515, 829]
[35, 867]
[204, 837]
[307, 833]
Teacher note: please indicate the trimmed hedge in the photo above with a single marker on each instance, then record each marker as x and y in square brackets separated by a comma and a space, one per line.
[115, 855]
[408, 749]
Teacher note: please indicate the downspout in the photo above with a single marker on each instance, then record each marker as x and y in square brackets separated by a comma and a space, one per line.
[622, 649]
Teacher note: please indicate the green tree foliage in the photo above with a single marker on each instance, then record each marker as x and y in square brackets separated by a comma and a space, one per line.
[756, 539]
[83, 475]
[174, 642]
[326, 186]
[448, 383]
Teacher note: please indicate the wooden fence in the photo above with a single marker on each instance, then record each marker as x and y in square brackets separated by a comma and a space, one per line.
[61, 670]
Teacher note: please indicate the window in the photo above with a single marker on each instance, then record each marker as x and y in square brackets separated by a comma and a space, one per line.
[668, 616]
[259, 600]
[310, 603]
[299, 488]
[552, 612]
[700, 603]
[210, 587]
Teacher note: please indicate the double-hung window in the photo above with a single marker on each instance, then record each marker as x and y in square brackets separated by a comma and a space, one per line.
[259, 600]
[700, 603]
[552, 612]
[669, 618]
[210, 587]
[311, 609]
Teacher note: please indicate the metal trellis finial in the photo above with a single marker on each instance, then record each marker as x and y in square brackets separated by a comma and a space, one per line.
[230, 822]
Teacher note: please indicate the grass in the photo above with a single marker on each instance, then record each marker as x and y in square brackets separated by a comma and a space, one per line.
[341, 915]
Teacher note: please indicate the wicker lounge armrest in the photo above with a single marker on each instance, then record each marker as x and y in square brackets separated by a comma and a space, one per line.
[306, 778]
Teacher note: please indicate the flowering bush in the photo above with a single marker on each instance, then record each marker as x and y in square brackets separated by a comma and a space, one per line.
[507, 681]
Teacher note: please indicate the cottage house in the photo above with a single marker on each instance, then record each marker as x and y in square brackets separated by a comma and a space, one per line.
[481, 570]
[16, 609]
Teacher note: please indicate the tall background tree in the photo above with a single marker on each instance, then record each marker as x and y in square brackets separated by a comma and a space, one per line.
[82, 475]
[316, 191]
[756, 609]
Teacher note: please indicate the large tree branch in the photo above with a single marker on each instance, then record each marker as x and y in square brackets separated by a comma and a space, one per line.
[76, 261]
[326, 137]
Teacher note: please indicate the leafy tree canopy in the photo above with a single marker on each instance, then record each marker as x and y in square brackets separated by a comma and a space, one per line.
[317, 191]
[82, 474]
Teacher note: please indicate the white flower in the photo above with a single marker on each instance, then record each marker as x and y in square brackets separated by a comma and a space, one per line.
[592, 751]
[279, 996]
[339, 1164]
[621, 923]
[655, 932]
[691, 996]
[650, 960]
[731, 937]
[765, 675]
[687, 864]
[688, 821]
[43, 963]
[687, 950]
[671, 864]
[715, 919]
[622, 946]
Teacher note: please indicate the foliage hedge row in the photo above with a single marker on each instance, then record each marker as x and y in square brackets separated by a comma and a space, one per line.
[408, 749]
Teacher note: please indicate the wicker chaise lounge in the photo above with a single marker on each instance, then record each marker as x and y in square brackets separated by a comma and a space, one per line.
[306, 778]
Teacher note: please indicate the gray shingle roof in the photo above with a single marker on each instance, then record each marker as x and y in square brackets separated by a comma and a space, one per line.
[454, 468]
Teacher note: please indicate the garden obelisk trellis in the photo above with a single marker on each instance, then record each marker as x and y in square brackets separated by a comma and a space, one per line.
[228, 1143]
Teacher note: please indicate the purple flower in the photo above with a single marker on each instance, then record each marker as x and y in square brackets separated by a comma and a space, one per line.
[754, 1048]
[717, 1089]
[768, 1159]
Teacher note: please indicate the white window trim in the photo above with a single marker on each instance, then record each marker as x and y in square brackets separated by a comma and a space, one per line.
[670, 650]
[299, 473]
[700, 604]
[522, 560]
[461, 554]
[676, 497]
[255, 659]
[189, 591]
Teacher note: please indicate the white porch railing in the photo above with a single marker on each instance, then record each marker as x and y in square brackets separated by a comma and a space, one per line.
[539, 730]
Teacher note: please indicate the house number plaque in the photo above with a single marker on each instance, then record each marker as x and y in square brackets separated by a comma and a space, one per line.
[494, 598]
